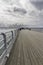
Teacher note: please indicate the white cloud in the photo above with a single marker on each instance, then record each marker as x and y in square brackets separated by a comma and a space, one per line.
[32, 17]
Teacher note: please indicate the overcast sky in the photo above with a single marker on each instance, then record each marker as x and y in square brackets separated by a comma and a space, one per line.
[34, 15]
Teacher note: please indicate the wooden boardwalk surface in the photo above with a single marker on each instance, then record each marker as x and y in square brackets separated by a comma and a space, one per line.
[28, 49]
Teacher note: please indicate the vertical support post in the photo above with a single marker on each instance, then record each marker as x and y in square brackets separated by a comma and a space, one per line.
[12, 34]
[4, 36]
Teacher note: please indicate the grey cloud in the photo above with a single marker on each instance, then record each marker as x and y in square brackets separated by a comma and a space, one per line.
[37, 3]
[36, 0]
[23, 11]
